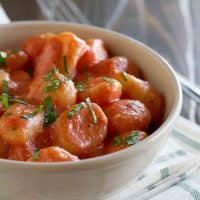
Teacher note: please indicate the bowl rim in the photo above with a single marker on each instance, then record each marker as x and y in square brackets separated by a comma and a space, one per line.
[90, 162]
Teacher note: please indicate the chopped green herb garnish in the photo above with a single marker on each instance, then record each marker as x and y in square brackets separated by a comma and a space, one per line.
[88, 102]
[13, 100]
[129, 140]
[123, 75]
[65, 65]
[132, 138]
[49, 76]
[34, 113]
[109, 80]
[5, 94]
[3, 56]
[5, 87]
[54, 70]
[50, 115]
[4, 100]
[35, 155]
[52, 86]
[53, 83]
[80, 86]
[117, 141]
[76, 109]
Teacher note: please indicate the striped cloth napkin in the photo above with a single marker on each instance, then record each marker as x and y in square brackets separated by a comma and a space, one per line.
[176, 170]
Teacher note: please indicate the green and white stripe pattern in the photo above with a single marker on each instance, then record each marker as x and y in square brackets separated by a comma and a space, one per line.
[175, 173]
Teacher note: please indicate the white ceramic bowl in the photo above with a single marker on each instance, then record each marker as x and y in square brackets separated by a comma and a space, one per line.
[101, 177]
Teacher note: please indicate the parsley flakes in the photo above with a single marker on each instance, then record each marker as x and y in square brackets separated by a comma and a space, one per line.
[129, 140]
[3, 56]
[76, 109]
[35, 155]
[109, 80]
[14, 100]
[53, 83]
[34, 113]
[52, 86]
[124, 76]
[88, 102]
[65, 65]
[49, 76]
[50, 115]
[6, 99]
[80, 106]
[117, 141]
[5, 94]
[80, 86]
[132, 138]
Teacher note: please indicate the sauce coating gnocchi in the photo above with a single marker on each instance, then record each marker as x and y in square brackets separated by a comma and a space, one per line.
[63, 98]
[81, 133]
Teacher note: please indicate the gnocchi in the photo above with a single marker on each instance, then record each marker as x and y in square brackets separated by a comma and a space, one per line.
[63, 99]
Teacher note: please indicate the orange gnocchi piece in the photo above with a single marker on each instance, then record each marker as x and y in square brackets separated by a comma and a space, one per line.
[80, 133]
[123, 141]
[143, 91]
[53, 154]
[57, 86]
[48, 51]
[96, 53]
[73, 48]
[20, 152]
[22, 80]
[113, 65]
[127, 115]
[16, 60]
[110, 88]
[3, 148]
[4, 76]
[15, 129]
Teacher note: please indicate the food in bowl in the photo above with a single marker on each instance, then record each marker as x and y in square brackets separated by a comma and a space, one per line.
[65, 99]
